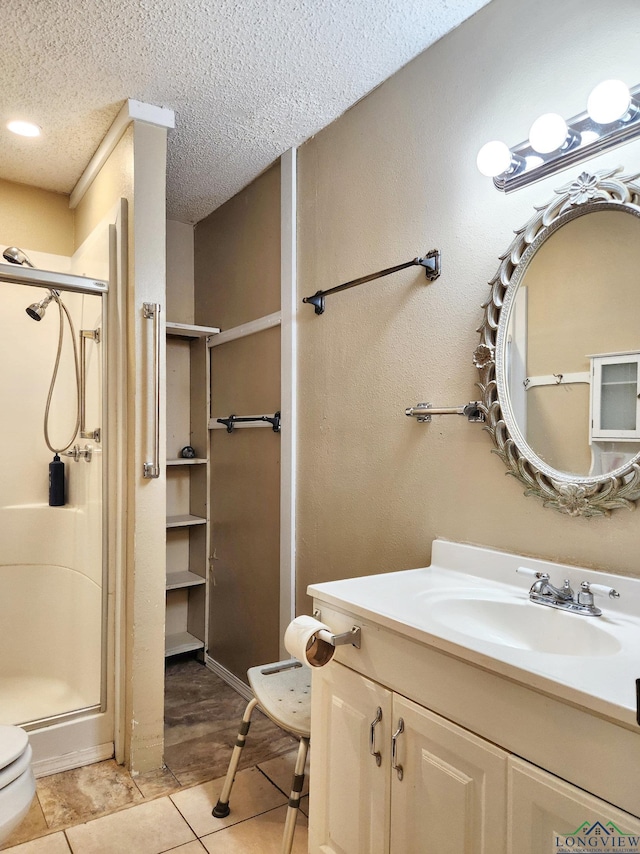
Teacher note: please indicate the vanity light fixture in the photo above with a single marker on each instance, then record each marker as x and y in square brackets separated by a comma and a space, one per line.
[612, 118]
[23, 128]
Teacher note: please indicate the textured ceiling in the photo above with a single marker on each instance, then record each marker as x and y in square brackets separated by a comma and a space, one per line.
[248, 79]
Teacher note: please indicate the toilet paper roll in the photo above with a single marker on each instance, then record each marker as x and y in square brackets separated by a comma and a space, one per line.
[302, 642]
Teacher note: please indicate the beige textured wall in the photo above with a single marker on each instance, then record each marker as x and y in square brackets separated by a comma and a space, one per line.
[237, 279]
[36, 218]
[179, 272]
[392, 178]
[598, 255]
[558, 426]
[237, 256]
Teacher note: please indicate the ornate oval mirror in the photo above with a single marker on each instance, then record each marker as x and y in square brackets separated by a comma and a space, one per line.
[559, 354]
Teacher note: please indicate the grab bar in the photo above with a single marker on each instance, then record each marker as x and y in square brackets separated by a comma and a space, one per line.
[151, 311]
[94, 335]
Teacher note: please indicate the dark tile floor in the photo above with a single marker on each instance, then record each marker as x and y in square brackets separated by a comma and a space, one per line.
[202, 714]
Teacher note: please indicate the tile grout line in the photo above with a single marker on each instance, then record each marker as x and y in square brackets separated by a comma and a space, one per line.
[273, 782]
[242, 820]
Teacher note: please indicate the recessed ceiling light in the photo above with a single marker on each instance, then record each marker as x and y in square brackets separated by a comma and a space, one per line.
[24, 128]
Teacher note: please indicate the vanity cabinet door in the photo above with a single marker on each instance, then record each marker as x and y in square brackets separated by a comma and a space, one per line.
[547, 815]
[452, 795]
[349, 804]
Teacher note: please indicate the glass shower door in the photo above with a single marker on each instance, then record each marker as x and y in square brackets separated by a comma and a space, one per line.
[52, 560]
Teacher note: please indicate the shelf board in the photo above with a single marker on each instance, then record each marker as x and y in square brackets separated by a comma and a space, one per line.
[184, 520]
[182, 461]
[181, 642]
[189, 330]
[183, 578]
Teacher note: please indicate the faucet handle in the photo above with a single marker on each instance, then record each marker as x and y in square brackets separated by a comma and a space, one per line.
[532, 573]
[588, 587]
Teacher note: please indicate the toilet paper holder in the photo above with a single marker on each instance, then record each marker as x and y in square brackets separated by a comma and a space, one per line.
[352, 636]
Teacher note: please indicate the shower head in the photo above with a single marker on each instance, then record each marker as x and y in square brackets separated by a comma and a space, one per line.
[16, 256]
[37, 309]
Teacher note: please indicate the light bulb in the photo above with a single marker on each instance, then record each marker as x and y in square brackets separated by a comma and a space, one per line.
[23, 128]
[548, 133]
[609, 102]
[494, 158]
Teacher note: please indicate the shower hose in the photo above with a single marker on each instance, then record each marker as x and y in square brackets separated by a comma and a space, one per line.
[63, 311]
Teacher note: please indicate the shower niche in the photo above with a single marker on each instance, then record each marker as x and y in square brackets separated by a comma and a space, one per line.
[188, 536]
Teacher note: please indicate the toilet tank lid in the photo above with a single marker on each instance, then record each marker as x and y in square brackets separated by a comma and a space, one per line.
[13, 741]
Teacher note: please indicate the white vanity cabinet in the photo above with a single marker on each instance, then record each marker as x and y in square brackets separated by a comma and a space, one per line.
[441, 790]
[449, 794]
[503, 748]
[543, 810]
[351, 790]
[391, 777]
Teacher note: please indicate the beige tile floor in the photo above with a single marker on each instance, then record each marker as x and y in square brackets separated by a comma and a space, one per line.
[102, 809]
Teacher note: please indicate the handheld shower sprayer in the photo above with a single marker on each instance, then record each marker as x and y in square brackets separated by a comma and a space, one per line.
[36, 311]
[16, 256]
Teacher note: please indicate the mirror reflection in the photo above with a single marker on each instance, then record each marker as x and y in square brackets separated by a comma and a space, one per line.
[572, 348]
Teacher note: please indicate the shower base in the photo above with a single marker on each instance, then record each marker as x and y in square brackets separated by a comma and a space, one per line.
[26, 699]
[66, 730]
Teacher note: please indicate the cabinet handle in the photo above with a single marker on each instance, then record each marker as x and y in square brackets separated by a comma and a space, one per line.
[372, 737]
[394, 749]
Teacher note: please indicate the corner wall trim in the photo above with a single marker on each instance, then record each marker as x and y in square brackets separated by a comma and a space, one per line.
[131, 111]
[228, 677]
[288, 389]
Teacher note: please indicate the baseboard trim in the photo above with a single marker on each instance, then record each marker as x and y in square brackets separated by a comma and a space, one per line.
[77, 759]
[228, 677]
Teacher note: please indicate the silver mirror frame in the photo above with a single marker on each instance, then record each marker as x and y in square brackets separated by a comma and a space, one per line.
[567, 493]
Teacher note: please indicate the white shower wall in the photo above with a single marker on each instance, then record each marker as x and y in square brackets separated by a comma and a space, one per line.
[27, 352]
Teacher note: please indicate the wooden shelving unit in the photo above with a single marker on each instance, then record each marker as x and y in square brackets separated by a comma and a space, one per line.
[188, 539]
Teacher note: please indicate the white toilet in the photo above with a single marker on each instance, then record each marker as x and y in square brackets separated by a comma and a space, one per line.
[17, 783]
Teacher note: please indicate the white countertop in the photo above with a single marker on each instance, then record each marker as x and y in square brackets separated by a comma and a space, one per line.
[592, 662]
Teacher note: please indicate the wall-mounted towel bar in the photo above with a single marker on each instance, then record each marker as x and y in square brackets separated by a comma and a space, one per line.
[253, 420]
[424, 411]
[430, 262]
[557, 379]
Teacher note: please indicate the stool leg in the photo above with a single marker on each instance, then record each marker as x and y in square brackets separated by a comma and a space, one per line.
[221, 809]
[294, 798]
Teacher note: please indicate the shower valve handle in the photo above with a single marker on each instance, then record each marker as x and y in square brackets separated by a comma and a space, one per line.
[76, 452]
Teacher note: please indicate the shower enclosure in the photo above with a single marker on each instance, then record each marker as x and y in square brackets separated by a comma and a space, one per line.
[53, 559]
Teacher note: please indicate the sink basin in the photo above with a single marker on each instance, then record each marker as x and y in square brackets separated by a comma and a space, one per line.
[524, 625]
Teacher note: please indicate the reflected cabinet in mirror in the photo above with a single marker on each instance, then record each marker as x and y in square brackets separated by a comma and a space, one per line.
[559, 355]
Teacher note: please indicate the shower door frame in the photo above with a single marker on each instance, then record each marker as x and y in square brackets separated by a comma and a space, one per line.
[70, 283]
